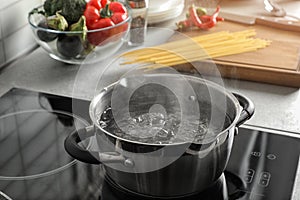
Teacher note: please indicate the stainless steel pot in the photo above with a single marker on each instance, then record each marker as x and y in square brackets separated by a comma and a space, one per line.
[164, 170]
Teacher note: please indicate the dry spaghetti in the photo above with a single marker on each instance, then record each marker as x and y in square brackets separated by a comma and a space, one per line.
[197, 48]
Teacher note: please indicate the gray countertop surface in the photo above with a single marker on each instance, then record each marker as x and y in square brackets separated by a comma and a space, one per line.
[277, 107]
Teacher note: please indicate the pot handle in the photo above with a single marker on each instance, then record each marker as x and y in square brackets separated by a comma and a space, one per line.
[76, 151]
[248, 108]
[238, 185]
[203, 152]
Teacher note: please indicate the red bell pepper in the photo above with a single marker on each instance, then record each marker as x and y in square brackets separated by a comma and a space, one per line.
[197, 17]
[206, 18]
[185, 24]
[210, 21]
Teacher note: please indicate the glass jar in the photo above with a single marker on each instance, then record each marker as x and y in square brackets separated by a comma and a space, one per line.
[139, 21]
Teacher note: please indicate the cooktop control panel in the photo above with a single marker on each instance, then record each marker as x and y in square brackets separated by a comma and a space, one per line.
[268, 162]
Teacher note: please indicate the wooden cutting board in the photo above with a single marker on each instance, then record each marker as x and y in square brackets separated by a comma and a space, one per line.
[277, 64]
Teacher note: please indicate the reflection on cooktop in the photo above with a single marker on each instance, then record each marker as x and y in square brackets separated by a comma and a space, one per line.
[34, 164]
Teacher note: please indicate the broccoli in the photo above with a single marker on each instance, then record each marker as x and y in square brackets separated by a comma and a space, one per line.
[72, 10]
[52, 6]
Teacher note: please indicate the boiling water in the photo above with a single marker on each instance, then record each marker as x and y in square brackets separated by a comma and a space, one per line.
[157, 128]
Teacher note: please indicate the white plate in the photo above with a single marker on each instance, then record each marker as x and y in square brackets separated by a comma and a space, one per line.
[160, 6]
[166, 15]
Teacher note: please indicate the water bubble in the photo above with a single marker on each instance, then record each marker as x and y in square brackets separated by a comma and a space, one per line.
[106, 115]
[102, 124]
[158, 128]
[192, 98]
[163, 133]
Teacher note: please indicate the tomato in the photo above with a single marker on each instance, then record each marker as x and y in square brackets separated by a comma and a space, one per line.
[97, 38]
[95, 3]
[91, 15]
[117, 7]
[118, 17]
[109, 14]
[102, 23]
[98, 4]
[104, 2]
[114, 10]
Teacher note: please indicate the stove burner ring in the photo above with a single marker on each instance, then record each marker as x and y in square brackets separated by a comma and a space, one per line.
[51, 171]
[219, 189]
[126, 194]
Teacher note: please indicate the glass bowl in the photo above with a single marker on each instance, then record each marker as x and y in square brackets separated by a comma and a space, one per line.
[75, 48]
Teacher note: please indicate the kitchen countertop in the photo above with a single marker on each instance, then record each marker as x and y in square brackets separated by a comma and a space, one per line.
[277, 107]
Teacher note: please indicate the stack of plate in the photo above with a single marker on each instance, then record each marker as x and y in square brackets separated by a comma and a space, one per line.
[160, 11]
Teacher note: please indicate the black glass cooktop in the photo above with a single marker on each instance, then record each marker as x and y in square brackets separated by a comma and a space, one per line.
[264, 164]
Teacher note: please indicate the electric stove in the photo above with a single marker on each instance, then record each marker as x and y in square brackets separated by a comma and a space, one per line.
[264, 163]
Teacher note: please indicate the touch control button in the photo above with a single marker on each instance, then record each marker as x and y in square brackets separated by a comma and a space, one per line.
[250, 172]
[271, 156]
[265, 175]
[248, 179]
[264, 182]
[256, 153]
[249, 175]
[264, 179]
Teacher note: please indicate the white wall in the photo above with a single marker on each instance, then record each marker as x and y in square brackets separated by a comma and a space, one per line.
[16, 37]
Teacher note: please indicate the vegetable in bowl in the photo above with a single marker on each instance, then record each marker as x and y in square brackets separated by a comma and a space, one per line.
[71, 9]
[66, 30]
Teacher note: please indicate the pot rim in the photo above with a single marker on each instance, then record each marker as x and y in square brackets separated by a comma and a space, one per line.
[237, 106]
